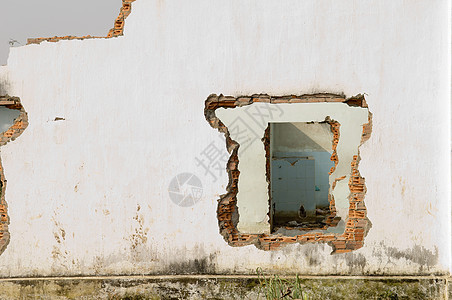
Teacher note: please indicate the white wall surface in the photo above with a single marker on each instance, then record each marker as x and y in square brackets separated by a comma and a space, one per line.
[89, 195]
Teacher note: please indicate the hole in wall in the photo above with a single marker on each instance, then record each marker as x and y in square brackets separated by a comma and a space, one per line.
[13, 121]
[245, 211]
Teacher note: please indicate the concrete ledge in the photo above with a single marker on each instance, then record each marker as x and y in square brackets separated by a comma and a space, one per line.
[221, 287]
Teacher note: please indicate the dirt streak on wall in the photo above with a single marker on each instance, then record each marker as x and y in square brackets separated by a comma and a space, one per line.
[357, 223]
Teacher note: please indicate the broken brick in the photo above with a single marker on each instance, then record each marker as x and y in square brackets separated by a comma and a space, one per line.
[357, 223]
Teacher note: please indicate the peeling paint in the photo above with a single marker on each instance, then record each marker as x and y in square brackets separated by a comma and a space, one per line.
[19, 125]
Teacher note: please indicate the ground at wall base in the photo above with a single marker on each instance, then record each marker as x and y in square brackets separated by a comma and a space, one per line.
[221, 287]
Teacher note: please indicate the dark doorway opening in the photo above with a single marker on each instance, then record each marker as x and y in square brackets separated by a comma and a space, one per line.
[300, 161]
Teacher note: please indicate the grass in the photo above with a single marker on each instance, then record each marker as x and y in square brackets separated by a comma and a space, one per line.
[276, 288]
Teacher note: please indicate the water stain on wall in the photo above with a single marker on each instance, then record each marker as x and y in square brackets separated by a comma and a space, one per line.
[424, 258]
[138, 239]
[202, 265]
[418, 254]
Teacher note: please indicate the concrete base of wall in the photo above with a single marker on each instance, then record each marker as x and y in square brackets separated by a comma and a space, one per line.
[222, 287]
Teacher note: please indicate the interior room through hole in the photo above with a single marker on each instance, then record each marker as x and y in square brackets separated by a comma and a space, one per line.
[300, 161]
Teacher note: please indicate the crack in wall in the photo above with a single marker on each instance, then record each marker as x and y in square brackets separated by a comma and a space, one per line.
[19, 125]
[357, 223]
[117, 30]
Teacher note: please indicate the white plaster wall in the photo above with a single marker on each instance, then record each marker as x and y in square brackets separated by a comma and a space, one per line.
[133, 109]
